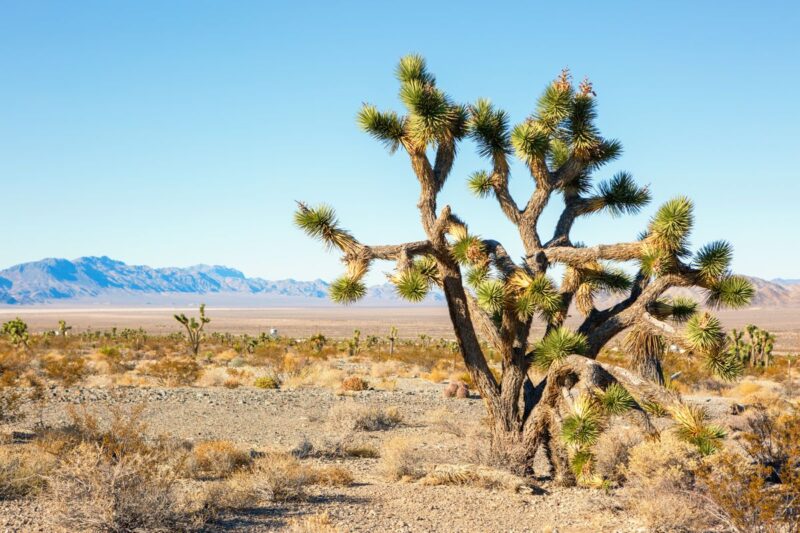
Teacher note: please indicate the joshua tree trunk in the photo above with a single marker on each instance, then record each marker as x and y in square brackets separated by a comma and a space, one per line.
[561, 148]
[648, 366]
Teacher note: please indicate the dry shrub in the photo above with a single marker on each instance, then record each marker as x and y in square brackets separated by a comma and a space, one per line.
[612, 450]
[316, 523]
[354, 383]
[275, 477]
[216, 459]
[332, 476]
[212, 377]
[401, 459]
[232, 383]
[762, 491]
[667, 460]
[69, 370]
[386, 369]
[10, 404]
[175, 371]
[475, 476]
[267, 382]
[445, 421]
[22, 471]
[357, 417]
[90, 491]
[360, 451]
[319, 374]
[124, 433]
[436, 375]
[660, 476]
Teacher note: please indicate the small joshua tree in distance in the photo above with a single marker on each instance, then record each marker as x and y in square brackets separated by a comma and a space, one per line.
[17, 332]
[194, 329]
[488, 293]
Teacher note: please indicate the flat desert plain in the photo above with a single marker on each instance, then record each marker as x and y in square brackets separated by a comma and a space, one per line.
[339, 322]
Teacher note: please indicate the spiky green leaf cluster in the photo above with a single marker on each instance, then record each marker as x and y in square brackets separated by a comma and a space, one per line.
[713, 260]
[656, 261]
[704, 333]
[682, 309]
[491, 295]
[480, 184]
[672, 223]
[411, 284]
[489, 128]
[725, 365]
[730, 291]
[477, 275]
[387, 126]
[616, 399]
[413, 67]
[469, 250]
[558, 344]
[346, 290]
[678, 309]
[583, 133]
[530, 141]
[554, 106]
[692, 426]
[534, 294]
[320, 223]
[427, 266]
[582, 464]
[621, 195]
[583, 426]
[608, 278]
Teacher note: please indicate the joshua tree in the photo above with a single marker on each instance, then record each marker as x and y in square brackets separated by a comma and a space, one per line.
[17, 332]
[354, 343]
[318, 342]
[63, 328]
[194, 329]
[392, 339]
[490, 294]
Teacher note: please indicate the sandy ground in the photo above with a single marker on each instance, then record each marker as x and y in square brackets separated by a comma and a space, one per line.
[341, 321]
[279, 420]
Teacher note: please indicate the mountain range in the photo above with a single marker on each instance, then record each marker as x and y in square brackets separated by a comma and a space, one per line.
[105, 281]
[102, 280]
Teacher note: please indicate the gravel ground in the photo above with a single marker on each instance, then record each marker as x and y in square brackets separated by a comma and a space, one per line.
[280, 419]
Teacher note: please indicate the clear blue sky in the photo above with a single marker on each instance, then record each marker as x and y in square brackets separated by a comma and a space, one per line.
[181, 132]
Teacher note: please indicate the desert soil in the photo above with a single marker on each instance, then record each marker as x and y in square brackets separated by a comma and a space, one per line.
[280, 419]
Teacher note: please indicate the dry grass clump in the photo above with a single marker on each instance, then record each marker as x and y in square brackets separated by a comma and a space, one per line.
[444, 421]
[358, 417]
[660, 476]
[91, 491]
[216, 459]
[68, 369]
[475, 476]
[354, 384]
[612, 452]
[282, 477]
[23, 471]
[332, 476]
[401, 459]
[175, 371]
[316, 523]
[319, 374]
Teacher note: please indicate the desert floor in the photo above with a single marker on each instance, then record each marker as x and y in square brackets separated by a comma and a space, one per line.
[339, 322]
